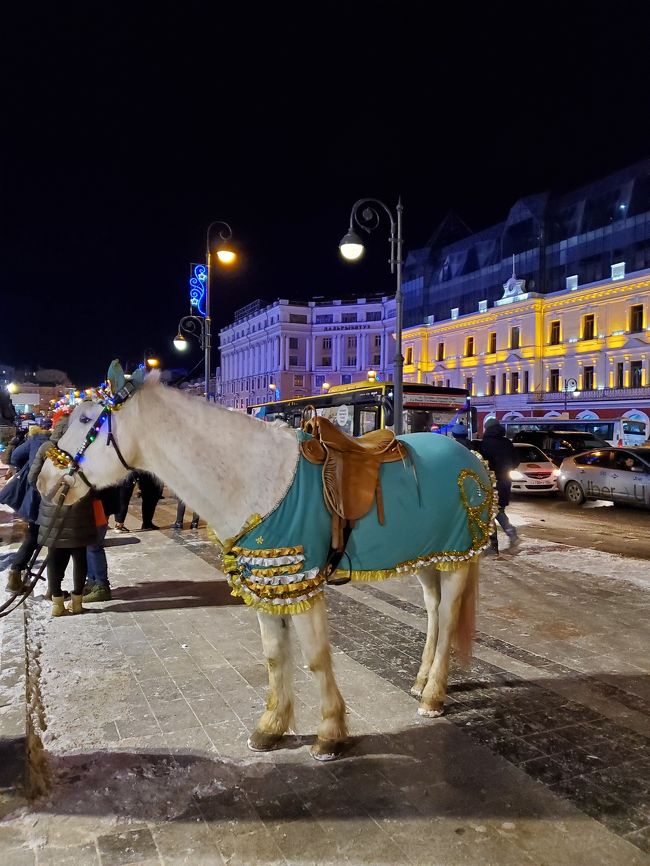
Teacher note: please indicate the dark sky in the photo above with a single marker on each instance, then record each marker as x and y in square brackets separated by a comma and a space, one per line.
[127, 128]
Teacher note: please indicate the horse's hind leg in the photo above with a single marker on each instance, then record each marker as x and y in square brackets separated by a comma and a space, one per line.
[278, 716]
[430, 580]
[311, 627]
[452, 587]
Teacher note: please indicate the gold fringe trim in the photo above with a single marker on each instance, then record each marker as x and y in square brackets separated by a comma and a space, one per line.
[282, 590]
[269, 553]
[229, 543]
[273, 570]
[277, 609]
[404, 568]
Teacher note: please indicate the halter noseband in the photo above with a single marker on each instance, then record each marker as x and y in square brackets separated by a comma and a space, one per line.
[64, 460]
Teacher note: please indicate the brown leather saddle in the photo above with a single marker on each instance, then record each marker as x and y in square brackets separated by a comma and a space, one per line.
[351, 476]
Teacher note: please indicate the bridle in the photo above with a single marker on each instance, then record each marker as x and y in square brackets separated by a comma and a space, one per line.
[64, 460]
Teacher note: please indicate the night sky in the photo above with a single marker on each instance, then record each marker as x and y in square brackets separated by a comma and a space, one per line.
[127, 128]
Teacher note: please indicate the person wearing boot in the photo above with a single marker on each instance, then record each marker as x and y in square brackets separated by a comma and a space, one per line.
[501, 456]
[180, 514]
[27, 503]
[65, 532]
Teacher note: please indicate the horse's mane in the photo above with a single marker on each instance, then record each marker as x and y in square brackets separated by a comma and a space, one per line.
[196, 406]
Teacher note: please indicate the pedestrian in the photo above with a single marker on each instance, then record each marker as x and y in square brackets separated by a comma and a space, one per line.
[501, 457]
[151, 490]
[17, 439]
[460, 434]
[180, 514]
[26, 501]
[126, 492]
[98, 587]
[66, 531]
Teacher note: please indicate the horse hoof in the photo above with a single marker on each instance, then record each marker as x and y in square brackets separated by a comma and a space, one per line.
[327, 750]
[416, 692]
[262, 742]
[431, 712]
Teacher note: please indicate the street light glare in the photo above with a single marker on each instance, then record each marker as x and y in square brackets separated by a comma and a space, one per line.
[180, 343]
[153, 362]
[351, 246]
[226, 256]
[12, 388]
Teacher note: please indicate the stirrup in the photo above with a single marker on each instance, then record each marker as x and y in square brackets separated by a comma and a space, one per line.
[337, 581]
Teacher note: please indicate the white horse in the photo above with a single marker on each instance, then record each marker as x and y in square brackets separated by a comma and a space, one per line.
[228, 466]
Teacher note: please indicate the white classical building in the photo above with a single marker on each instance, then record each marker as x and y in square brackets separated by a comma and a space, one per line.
[293, 349]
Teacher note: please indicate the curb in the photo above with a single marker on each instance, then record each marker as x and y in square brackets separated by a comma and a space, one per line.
[14, 733]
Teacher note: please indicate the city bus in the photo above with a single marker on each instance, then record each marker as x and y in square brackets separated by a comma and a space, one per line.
[360, 407]
[615, 431]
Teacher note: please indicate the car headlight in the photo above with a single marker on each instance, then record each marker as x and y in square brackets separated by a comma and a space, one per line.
[556, 473]
[516, 475]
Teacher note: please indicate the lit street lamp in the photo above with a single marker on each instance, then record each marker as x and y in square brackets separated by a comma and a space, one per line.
[352, 248]
[201, 326]
[226, 256]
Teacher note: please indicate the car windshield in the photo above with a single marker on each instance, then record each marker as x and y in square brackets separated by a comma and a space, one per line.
[529, 453]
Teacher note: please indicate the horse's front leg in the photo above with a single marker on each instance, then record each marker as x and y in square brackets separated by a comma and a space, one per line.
[430, 581]
[278, 716]
[453, 585]
[311, 627]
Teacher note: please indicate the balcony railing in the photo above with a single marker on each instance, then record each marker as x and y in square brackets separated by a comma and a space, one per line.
[594, 394]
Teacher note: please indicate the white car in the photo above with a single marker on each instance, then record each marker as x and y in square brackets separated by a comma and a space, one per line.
[535, 472]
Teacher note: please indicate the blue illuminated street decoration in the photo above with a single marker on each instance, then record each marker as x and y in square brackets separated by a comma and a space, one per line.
[198, 280]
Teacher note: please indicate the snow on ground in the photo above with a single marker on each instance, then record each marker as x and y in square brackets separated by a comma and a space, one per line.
[584, 560]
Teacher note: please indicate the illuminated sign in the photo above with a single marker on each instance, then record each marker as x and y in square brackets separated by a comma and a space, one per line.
[198, 281]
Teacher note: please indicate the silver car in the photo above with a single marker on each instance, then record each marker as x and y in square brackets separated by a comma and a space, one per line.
[615, 474]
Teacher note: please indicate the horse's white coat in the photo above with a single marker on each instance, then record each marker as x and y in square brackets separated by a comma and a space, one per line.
[224, 465]
[228, 466]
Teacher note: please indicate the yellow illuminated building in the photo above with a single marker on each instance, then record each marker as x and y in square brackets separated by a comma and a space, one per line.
[581, 352]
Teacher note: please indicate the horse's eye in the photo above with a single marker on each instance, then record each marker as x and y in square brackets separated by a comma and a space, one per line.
[85, 420]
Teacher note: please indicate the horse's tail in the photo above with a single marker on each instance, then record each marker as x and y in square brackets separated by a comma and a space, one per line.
[466, 627]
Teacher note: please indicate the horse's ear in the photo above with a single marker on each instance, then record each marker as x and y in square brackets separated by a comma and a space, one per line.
[115, 376]
[138, 377]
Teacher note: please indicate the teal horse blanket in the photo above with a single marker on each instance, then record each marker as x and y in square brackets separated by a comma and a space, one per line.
[439, 508]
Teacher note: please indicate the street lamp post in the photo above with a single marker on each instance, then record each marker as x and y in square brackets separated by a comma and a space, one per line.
[201, 326]
[225, 255]
[351, 247]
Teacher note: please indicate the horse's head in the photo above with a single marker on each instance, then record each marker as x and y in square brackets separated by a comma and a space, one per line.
[89, 454]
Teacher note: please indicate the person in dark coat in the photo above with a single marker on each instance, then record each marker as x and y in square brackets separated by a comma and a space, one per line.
[501, 456]
[17, 439]
[22, 459]
[125, 493]
[66, 532]
[460, 434]
[151, 489]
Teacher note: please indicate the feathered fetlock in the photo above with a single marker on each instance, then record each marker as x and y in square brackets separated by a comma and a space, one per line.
[75, 604]
[58, 608]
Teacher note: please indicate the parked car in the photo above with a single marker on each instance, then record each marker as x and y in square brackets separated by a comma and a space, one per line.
[558, 444]
[535, 472]
[614, 474]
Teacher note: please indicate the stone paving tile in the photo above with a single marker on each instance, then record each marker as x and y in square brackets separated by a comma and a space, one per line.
[529, 737]
[409, 790]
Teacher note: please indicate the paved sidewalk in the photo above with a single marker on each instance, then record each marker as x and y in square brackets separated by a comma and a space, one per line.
[143, 707]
